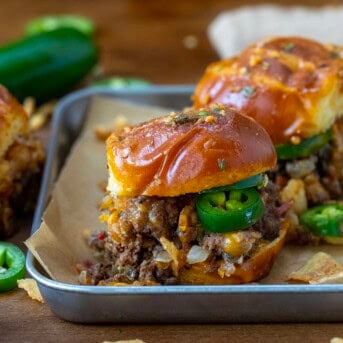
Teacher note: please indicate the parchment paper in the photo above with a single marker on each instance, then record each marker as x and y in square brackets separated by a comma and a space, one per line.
[232, 31]
[59, 243]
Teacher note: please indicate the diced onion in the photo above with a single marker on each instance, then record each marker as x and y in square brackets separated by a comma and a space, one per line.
[83, 279]
[197, 254]
[163, 256]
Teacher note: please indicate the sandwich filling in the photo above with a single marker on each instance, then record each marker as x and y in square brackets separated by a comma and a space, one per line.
[151, 240]
[19, 170]
[21, 159]
[311, 181]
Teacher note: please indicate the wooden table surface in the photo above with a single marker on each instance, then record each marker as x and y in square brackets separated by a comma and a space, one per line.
[144, 39]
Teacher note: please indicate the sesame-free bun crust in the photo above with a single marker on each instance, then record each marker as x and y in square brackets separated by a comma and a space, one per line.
[13, 120]
[187, 153]
[253, 269]
[290, 85]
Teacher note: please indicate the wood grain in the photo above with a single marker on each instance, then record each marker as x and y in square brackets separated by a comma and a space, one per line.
[145, 39]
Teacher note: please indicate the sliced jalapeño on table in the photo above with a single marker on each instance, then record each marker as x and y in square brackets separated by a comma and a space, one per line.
[12, 266]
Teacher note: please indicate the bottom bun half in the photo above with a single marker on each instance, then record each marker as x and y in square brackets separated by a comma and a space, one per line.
[253, 269]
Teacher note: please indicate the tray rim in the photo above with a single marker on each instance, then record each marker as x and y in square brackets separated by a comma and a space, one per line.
[142, 290]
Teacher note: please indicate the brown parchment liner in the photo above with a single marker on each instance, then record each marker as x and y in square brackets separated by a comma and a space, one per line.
[59, 242]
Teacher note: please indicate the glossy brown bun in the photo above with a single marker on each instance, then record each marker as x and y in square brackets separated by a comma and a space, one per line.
[187, 153]
[13, 120]
[253, 269]
[291, 86]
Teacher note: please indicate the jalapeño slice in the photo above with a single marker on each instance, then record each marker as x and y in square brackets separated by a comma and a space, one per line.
[305, 148]
[232, 210]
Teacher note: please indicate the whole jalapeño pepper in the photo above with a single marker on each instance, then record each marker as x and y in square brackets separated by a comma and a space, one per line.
[48, 64]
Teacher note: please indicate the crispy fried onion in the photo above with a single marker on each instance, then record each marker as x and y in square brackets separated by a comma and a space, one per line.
[173, 252]
[320, 268]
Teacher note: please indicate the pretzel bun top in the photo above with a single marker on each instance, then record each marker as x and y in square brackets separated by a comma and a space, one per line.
[292, 86]
[187, 153]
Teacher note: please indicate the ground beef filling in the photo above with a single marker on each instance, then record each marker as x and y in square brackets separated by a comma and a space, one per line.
[311, 181]
[19, 172]
[134, 248]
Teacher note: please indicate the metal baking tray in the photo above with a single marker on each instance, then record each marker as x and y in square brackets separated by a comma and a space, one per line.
[165, 304]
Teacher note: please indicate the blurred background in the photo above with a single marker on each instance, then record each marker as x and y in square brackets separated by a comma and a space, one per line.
[164, 42]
